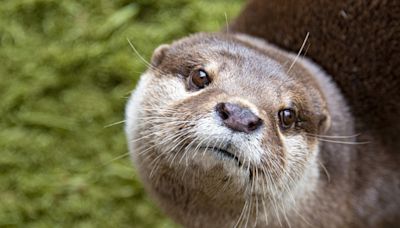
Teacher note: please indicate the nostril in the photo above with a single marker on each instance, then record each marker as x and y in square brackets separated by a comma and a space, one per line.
[251, 125]
[254, 124]
[222, 111]
[224, 115]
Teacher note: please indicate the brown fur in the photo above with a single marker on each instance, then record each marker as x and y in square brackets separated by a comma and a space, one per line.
[356, 42]
[352, 185]
[357, 185]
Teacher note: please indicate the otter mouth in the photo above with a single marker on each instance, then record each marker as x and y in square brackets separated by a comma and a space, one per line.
[223, 153]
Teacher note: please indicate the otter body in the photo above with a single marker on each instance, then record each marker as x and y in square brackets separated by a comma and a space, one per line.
[227, 130]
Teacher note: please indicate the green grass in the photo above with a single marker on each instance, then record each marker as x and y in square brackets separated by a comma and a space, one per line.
[66, 70]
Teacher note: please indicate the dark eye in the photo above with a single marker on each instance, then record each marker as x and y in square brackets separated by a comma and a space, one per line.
[198, 79]
[287, 118]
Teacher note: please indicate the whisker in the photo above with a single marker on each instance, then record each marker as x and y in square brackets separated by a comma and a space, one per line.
[342, 142]
[114, 159]
[138, 54]
[335, 136]
[226, 23]
[305, 52]
[298, 54]
[325, 170]
[143, 59]
[113, 124]
[156, 165]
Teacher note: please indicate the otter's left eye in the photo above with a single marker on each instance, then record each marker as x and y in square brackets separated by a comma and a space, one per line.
[198, 79]
[287, 118]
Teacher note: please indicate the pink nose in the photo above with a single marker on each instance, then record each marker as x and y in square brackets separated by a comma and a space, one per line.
[238, 118]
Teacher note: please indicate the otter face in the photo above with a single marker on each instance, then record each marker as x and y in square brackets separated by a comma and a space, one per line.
[216, 114]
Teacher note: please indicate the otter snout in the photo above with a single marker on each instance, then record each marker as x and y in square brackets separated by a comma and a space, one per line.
[238, 118]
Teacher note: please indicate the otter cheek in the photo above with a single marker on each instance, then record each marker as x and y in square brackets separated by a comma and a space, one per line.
[168, 90]
[297, 150]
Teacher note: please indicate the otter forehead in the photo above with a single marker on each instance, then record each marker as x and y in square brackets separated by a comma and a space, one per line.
[223, 54]
[236, 68]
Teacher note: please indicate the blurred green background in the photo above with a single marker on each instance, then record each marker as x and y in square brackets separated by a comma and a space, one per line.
[66, 70]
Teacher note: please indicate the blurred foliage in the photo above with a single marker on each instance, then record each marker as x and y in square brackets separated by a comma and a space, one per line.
[66, 70]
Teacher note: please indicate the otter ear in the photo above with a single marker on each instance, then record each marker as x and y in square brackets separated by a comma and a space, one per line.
[159, 54]
[324, 122]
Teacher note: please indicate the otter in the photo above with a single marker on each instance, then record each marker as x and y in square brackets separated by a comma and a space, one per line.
[229, 130]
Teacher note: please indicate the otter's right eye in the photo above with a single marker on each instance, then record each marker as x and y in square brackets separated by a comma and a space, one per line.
[198, 79]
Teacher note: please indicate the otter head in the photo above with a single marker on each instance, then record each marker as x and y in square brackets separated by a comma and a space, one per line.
[218, 122]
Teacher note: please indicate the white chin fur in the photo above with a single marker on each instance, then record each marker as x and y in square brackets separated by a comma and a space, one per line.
[302, 159]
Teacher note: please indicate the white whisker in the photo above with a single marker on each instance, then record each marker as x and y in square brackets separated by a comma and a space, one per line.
[298, 54]
[113, 124]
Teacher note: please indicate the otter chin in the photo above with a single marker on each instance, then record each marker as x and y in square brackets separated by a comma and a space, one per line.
[226, 130]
